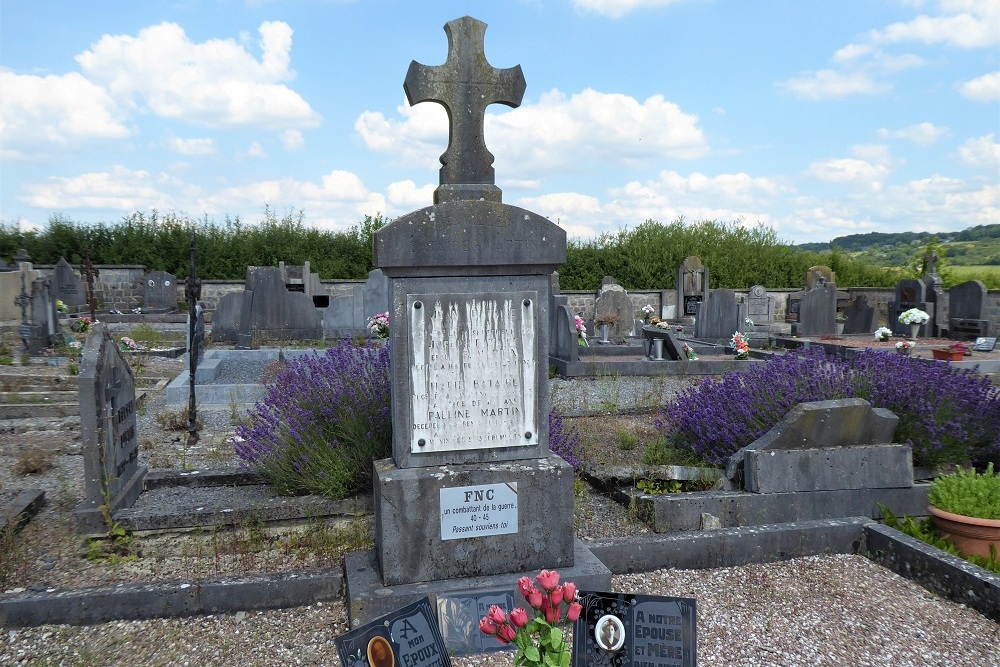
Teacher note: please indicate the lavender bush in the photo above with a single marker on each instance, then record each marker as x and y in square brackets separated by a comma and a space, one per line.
[322, 421]
[565, 441]
[945, 415]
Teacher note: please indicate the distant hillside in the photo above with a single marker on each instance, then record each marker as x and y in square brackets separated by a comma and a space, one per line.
[978, 245]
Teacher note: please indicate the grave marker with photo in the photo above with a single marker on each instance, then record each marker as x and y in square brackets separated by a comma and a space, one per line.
[159, 292]
[406, 637]
[692, 286]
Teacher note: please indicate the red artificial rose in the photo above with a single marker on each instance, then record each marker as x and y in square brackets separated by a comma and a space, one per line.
[573, 612]
[506, 634]
[556, 596]
[519, 617]
[548, 579]
[486, 626]
[552, 615]
[535, 598]
[569, 591]
[497, 615]
[525, 586]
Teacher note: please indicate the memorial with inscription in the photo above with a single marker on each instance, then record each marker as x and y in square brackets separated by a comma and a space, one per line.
[407, 637]
[471, 490]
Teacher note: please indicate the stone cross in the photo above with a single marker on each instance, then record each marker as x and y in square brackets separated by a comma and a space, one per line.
[89, 272]
[192, 290]
[465, 85]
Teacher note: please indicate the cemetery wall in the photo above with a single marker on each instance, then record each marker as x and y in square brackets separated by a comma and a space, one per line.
[118, 286]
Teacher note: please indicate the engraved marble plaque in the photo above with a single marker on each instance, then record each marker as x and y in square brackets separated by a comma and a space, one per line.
[473, 371]
[478, 511]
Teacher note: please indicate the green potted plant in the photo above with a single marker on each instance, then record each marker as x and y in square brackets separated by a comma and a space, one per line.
[965, 505]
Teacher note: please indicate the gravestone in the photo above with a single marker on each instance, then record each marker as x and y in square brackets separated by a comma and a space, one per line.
[631, 630]
[347, 316]
[818, 310]
[823, 446]
[909, 294]
[966, 305]
[613, 301]
[69, 289]
[759, 305]
[10, 290]
[720, 316]
[45, 329]
[860, 317]
[112, 473]
[265, 310]
[458, 620]
[555, 301]
[469, 281]
[407, 637]
[692, 286]
[933, 295]
[196, 344]
[565, 335]
[817, 274]
[159, 292]
[672, 349]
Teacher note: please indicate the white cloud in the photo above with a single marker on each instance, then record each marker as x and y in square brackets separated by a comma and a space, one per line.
[292, 140]
[985, 88]
[40, 113]
[922, 134]
[120, 189]
[255, 151]
[981, 153]
[867, 170]
[968, 24]
[558, 133]
[204, 146]
[216, 83]
[406, 196]
[618, 8]
[829, 84]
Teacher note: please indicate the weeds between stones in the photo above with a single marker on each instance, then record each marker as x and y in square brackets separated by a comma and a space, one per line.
[33, 460]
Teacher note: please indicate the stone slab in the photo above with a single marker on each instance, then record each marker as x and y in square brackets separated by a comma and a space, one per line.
[939, 572]
[368, 598]
[17, 506]
[410, 544]
[828, 468]
[674, 512]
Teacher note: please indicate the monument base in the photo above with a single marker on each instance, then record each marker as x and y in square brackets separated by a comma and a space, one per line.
[368, 599]
[453, 521]
[88, 517]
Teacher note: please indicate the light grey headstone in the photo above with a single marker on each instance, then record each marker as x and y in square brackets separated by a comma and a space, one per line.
[819, 274]
[159, 291]
[45, 331]
[197, 345]
[69, 288]
[818, 310]
[112, 472]
[615, 302]
[375, 294]
[567, 346]
[759, 305]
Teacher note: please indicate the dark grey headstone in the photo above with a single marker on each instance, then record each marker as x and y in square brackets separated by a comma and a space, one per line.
[910, 293]
[458, 620]
[967, 300]
[818, 310]
[159, 291]
[719, 317]
[692, 286]
[69, 289]
[630, 630]
[45, 329]
[861, 317]
[112, 473]
[376, 294]
[408, 636]
[266, 311]
[614, 302]
[567, 346]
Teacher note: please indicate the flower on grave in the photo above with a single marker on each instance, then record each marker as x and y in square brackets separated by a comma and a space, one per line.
[914, 316]
[379, 325]
[747, 321]
[958, 348]
[689, 353]
[60, 306]
[581, 330]
[739, 343]
[883, 333]
[539, 641]
[75, 345]
[647, 311]
[663, 324]
[129, 344]
[904, 346]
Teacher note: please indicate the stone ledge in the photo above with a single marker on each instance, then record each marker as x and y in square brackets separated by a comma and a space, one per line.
[19, 505]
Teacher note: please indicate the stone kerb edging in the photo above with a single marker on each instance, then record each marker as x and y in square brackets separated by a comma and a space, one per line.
[930, 567]
[17, 506]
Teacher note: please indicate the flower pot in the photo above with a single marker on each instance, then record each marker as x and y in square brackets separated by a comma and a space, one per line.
[969, 534]
[914, 330]
[944, 354]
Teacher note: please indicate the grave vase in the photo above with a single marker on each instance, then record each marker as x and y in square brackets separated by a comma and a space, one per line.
[658, 349]
[970, 535]
[914, 330]
[604, 332]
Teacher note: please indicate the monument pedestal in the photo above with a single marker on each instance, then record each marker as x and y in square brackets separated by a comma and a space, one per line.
[455, 521]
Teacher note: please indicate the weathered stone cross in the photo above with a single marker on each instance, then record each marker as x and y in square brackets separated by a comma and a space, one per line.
[465, 85]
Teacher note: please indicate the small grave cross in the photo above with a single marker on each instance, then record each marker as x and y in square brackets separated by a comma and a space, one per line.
[465, 85]
[192, 291]
[90, 272]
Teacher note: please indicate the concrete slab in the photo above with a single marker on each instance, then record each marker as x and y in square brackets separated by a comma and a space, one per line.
[828, 468]
[17, 506]
[368, 598]
[682, 511]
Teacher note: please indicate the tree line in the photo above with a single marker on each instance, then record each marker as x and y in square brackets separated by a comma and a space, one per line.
[646, 257]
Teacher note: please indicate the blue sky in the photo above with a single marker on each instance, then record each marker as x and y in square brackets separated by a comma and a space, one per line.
[816, 118]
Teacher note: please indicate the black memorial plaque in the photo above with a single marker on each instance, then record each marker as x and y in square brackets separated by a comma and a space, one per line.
[408, 636]
[691, 304]
[625, 630]
[459, 616]
[985, 344]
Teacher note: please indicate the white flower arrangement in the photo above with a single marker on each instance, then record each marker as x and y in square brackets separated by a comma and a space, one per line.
[914, 316]
[581, 331]
[904, 346]
[883, 333]
[647, 310]
[379, 325]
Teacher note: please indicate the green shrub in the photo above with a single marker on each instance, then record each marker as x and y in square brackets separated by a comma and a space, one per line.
[968, 493]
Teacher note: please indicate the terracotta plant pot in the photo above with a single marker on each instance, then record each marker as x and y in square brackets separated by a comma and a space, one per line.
[944, 354]
[970, 535]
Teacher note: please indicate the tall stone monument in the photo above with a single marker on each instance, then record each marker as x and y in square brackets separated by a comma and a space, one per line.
[472, 492]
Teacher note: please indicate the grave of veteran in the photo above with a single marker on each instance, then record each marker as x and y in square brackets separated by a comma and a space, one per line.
[472, 497]
[69, 289]
[112, 473]
[692, 287]
[159, 292]
[966, 304]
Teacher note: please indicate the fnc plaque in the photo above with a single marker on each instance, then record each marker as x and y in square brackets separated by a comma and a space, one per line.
[473, 370]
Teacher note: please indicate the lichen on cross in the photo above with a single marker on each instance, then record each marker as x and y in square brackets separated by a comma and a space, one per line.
[465, 85]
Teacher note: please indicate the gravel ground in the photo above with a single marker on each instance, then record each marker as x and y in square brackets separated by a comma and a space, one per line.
[823, 610]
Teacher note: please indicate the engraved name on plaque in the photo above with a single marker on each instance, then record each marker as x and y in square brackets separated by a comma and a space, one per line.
[472, 377]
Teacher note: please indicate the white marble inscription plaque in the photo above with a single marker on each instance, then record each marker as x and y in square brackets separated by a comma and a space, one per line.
[478, 511]
[473, 373]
